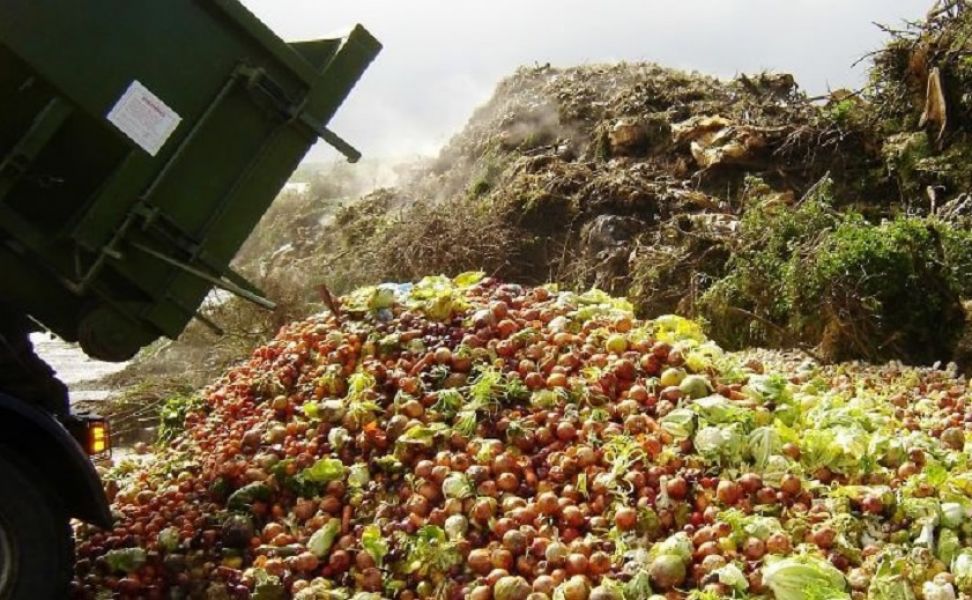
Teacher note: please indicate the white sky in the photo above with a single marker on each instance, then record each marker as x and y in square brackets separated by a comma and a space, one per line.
[442, 58]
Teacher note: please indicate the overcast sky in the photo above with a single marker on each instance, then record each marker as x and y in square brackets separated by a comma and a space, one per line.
[442, 58]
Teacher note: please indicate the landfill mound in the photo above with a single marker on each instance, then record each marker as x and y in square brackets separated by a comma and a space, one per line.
[839, 224]
[465, 438]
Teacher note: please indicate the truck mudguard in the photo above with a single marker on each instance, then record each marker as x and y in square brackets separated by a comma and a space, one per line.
[37, 442]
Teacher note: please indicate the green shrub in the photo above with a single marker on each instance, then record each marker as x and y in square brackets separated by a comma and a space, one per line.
[878, 291]
[957, 243]
[808, 275]
[753, 303]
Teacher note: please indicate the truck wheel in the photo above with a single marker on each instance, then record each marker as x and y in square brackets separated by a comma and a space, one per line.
[36, 547]
[106, 334]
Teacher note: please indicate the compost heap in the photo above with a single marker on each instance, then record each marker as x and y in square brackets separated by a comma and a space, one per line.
[839, 222]
[470, 439]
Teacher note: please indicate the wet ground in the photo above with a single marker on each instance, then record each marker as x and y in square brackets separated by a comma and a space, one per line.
[73, 367]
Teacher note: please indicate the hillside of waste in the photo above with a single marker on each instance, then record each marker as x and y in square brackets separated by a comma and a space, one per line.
[466, 438]
[840, 224]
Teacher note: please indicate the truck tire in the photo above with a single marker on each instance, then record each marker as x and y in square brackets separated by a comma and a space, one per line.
[36, 545]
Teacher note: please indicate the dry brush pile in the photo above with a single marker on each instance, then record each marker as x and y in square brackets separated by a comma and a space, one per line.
[680, 191]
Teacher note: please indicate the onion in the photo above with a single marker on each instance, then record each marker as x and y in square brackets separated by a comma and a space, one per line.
[456, 526]
[603, 592]
[511, 588]
[576, 588]
[667, 572]
[457, 485]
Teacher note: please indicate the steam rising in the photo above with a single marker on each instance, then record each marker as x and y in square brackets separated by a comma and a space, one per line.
[442, 59]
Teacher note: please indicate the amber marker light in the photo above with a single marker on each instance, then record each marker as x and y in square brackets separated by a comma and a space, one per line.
[99, 438]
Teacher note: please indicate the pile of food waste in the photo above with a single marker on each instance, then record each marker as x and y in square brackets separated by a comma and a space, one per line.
[466, 438]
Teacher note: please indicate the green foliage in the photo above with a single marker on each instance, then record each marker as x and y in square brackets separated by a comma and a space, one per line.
[809, 275]
[483, 182]
[759, 275]
[884, 290]
[430, 553]
[846, 112]
[480, 187]
[172, 415]
[957, 244]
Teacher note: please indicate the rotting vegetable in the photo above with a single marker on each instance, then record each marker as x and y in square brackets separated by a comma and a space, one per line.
[472, 439]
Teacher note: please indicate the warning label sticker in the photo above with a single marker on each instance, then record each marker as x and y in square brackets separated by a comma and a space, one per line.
[144, 118]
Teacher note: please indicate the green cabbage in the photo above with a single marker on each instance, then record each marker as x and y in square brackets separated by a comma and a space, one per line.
[319, 590]
[842, 449]
[337, 437]
[719, 409]
[323, 471]
[962, 570]
[948, 545]
[638, 587]
[680, 423]
[926, 513]
[704, 356]
[421, 435]
[805, 578]
[746, 526]
[768, 388]
[457, 485]
[468, 279]
[125, 560]
[889, 581]
[672, 328]
[776, 467]
[733, 577]
[358, 475]
[764, 442]
[953, 514]
[440, 297]
[371, 298]
[169, 539]
[597, 303]
[321, 540]
[267, 587]
[374, 543]
[679, 545]
[720, 444]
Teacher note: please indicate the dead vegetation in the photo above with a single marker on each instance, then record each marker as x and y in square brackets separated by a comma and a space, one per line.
[668, 187]
[693, 195]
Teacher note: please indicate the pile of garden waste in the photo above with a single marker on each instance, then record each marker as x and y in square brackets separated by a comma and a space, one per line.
[838, 221]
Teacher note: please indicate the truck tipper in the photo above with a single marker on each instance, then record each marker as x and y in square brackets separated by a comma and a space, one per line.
[140, 143]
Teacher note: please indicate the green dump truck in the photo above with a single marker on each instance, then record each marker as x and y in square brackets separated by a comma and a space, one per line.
[140, 143]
